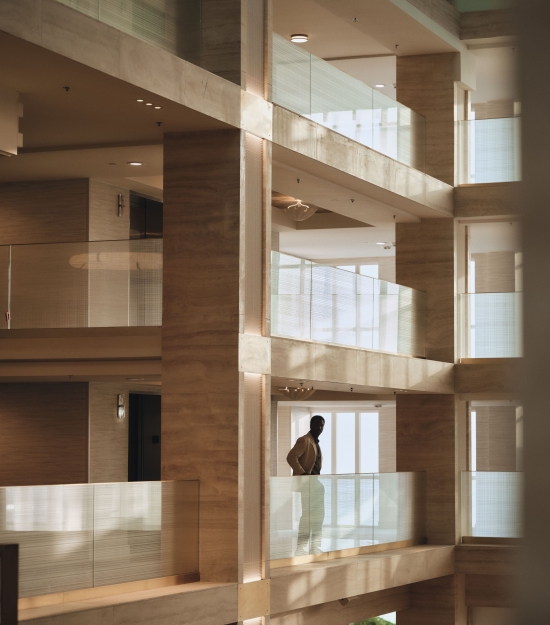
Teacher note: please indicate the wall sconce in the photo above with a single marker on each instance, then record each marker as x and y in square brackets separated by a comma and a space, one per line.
[120, 203]
[121, 412]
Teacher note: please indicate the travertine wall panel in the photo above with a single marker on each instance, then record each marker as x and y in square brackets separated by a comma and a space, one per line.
[487, 559]
[425, 260]
[358, 609]
[495, 272]
[487, 24]
[436, 602]
[425, 83]
[426, 441]
[53, 211]
[503, 375]
[104, 223]
[496, 438]
[497, 591]
[201, 381]
[44, 433]
[488, 200]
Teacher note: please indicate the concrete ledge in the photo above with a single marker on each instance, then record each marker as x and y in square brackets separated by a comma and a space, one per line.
[364, 370]
[312, 584]
[487, 559]
[319, 151]
[200, 603]
[501, 375]
[496, 199]
[487, 24]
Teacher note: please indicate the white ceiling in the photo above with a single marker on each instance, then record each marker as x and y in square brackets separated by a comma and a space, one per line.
[376, 70]
[341, 243]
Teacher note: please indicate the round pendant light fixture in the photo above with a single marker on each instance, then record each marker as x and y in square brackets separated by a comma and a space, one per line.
[299, 211]
[297, 394]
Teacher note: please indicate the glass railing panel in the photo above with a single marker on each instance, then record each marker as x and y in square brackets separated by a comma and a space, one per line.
[492, 150]
[314, 514]
[465, 6]
[491, 325]
[4, 286]
[87, 535]
[309, 86]
[492, 504]
[323, 303]
[398, 507]
[88, 284]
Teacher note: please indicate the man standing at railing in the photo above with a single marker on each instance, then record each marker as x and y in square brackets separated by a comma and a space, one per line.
[306, 459]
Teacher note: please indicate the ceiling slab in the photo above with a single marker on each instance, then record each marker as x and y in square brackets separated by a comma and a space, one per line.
[96, 109]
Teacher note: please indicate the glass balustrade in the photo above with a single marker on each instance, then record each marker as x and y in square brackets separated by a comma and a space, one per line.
[75, 285]
[313, 88]
[491, 325]
[492, 150]
[86, 535]
[464, 6]
[492, 504]
[169, 24]
[322, 303]
[313, 514]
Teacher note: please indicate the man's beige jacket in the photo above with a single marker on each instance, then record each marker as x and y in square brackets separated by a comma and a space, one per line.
[302, 456]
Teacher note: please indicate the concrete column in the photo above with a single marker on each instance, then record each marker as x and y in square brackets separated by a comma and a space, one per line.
[426, 84]
[425, 260]
[534, 24]
[213, 408]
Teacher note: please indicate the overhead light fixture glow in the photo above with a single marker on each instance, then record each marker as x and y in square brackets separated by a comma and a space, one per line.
[299, 211]
[299, 38]
[158, 107]
[139, 100]
[379, 86]
[148, 104]
[297, 394]
[134, 163]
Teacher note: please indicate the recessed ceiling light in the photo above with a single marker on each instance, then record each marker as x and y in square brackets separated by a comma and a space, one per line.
[380, 243]
[148, 104]
[157, 107]
[134, 163]
[299, 38]
[379, 86]
[135, 379]
[139, 100]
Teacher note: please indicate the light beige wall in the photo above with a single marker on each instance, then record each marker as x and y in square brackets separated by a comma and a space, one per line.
[109, 434]
[495, 272]
[387, 440]
[44, 433]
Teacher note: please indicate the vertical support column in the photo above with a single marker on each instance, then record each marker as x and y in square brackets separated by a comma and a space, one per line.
[425, 260]
[214, 410]
[426, 84]
[439, 601]
[534, 17]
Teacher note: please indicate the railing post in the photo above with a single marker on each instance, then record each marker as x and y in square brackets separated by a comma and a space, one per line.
[9, 579]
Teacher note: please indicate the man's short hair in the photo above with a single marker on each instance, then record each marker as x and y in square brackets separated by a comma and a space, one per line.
[316, 417]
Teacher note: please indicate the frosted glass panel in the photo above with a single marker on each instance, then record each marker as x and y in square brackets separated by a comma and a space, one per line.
[88, 535]
[309, 86]
[313, 514]
[491, 325]
[78, 285]
[494, 150]
[345, 442]
[492, 504]
[322, 303]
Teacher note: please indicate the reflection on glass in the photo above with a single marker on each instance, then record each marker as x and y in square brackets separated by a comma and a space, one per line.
[322, 303]
[355, 510]
[313, 88]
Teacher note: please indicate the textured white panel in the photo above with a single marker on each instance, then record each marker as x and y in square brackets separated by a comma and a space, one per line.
[335, 512]
[322, 303]
[494, 503]
[491, 325]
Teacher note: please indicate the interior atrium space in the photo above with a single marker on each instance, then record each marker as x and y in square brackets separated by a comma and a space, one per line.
[273, 316]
